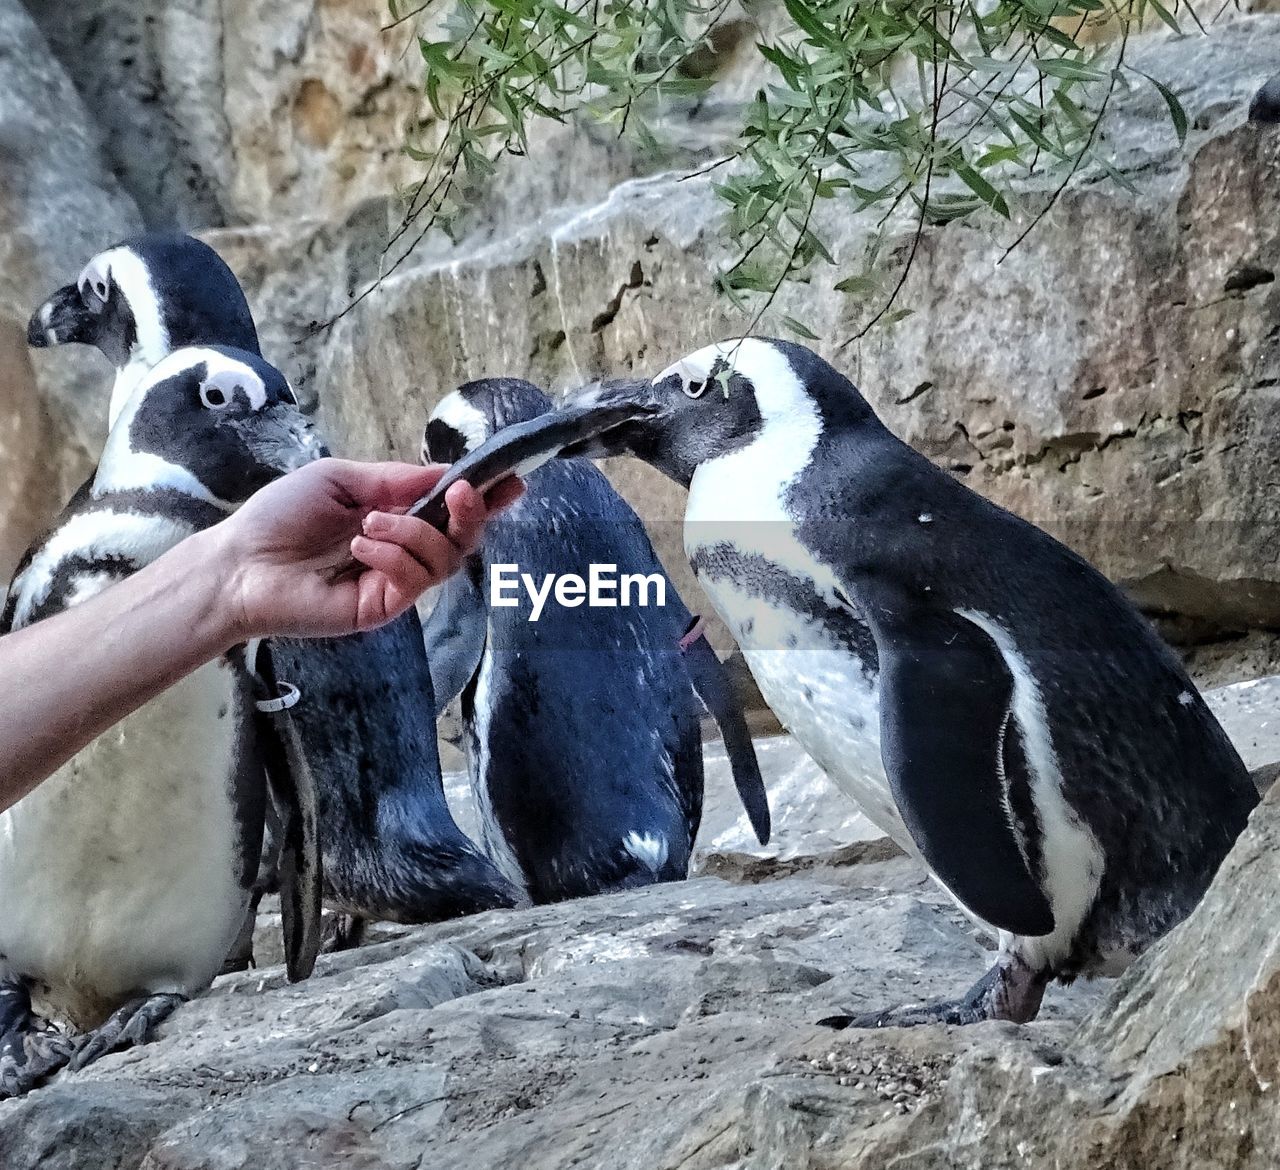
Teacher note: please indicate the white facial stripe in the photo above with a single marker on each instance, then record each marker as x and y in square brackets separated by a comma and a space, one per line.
[95, 280]
[92, 535]
[235, 380]
[740, 497]
[130, 276]
[455, 411]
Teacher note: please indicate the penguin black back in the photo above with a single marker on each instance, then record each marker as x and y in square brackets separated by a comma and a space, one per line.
[583, 726]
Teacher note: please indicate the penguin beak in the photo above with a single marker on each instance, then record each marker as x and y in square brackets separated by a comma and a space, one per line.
[283, 439]
[61, 320]
[638, 400]
[523, 447]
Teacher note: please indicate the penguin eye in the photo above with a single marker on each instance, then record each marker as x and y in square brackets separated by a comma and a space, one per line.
[213, 396]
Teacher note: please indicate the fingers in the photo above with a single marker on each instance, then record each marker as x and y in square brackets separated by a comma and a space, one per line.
[467, 514]
[412, 556]
[433, 552]
[469, 511]
[397, 580]
[383, 485]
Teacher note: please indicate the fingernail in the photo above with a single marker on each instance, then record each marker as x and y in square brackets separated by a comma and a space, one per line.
[376, 522]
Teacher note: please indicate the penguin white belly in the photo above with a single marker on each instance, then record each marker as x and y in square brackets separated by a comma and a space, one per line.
[820, 693]
[119, 874]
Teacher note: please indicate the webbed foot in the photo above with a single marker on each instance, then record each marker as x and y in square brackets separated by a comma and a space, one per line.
[1012, 990]
[126, 1027]
[30, 1049]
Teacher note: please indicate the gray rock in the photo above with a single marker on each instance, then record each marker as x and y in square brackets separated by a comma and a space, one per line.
[1112, 379]
[1250, 714]
[543, 1035]
[58, 205]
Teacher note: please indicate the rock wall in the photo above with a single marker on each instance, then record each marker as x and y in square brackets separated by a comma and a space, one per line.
[1113, 378]
[58, 200]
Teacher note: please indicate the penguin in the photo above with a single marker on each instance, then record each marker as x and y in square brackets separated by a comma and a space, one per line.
[1265, 106]
[582, 726]
[992, 701]
[126, 875]
[392, 849]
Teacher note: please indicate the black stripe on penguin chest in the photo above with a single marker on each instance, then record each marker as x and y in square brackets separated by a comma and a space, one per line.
[754, 574]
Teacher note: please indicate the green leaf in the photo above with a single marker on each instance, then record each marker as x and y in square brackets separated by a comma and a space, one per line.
[1068, 70]
[809, 22]
[981, 188]
[1177, 115]
[856, 284]
[1164, 14]
[999, 154]
[800, 329]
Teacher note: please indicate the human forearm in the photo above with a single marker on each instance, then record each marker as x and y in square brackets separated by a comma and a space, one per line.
[69, 678]
[267, 570]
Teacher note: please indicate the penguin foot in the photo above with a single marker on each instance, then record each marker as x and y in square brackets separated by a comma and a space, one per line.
[348, 933]
[126, 1027]
[27, 1059]
[1012, 990]
[910, 1015]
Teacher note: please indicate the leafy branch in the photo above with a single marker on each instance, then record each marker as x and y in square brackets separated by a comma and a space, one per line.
[946, 106]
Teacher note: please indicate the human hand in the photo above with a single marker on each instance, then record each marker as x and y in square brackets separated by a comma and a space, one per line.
[282, 553]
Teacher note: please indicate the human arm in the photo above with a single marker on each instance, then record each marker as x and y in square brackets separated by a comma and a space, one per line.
[268, 569]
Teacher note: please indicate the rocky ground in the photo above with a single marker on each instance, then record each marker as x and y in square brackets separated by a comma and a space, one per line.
[675, 1027]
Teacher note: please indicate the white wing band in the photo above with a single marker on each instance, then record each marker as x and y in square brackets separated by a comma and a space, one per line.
[287, 697]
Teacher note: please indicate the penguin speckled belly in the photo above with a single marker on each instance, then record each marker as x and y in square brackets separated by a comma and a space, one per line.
[126, 875]
[392, 849]
[582, 728]
[990, 699]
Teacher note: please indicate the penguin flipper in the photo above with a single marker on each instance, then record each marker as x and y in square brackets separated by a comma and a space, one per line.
[945, 712]
[711, 682]
[455, 635]
[293, 791]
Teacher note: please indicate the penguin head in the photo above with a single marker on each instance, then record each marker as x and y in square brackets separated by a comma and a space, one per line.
[144, 298]
[715, 400]
[210, 422]
[476, 410]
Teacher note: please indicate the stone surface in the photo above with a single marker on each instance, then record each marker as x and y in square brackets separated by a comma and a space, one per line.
[239, 112]
[625, 1031]
[674, 1027]
[28, 494]
[58, 204]
[1115, 379]
[1112, 379]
